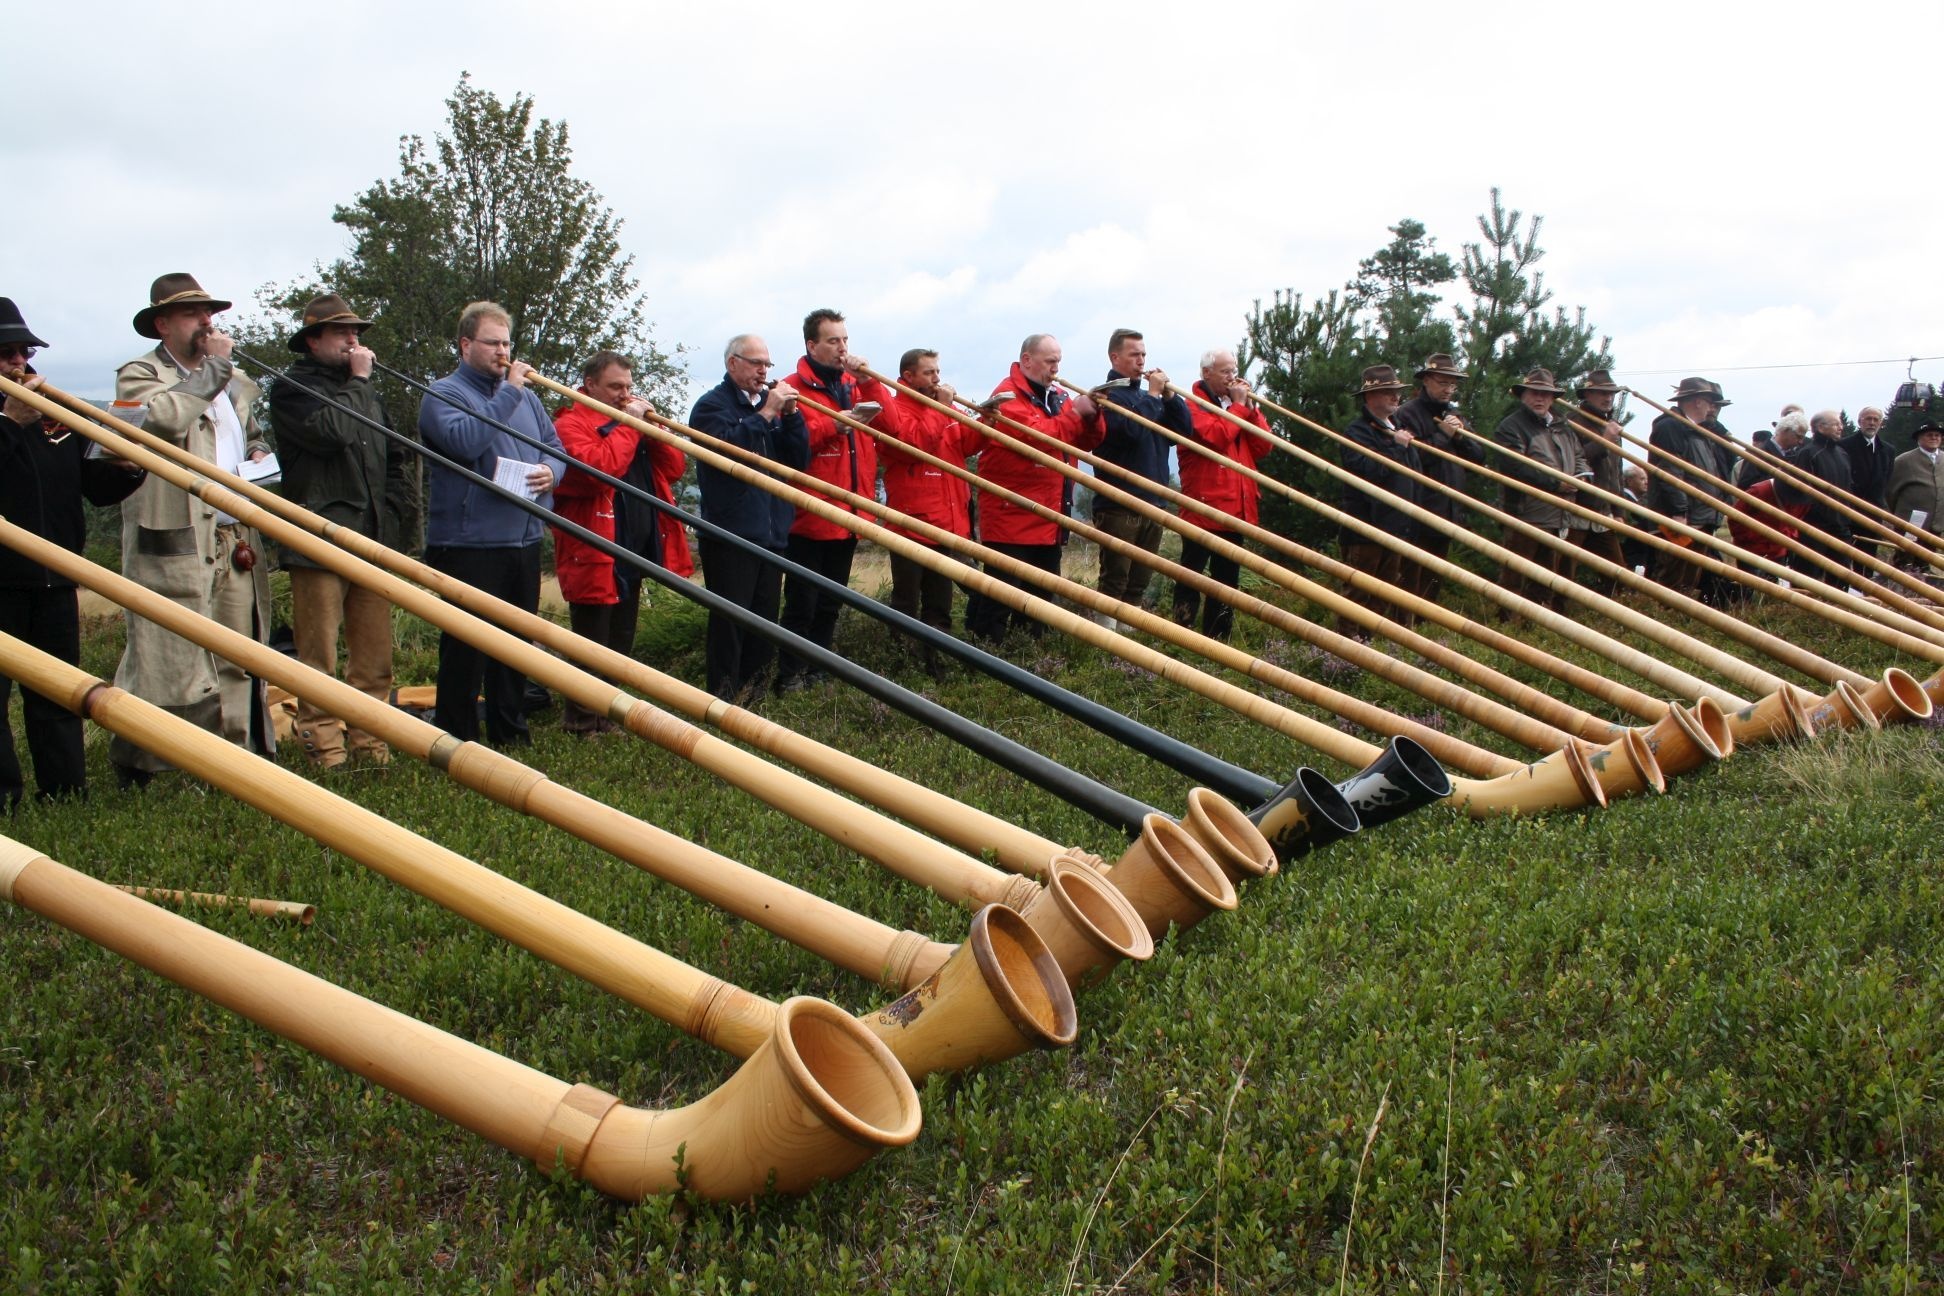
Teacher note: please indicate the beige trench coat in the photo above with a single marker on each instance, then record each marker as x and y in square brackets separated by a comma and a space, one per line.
[169, 544]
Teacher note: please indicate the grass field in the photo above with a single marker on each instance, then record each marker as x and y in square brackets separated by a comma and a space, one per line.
[1686, 1044]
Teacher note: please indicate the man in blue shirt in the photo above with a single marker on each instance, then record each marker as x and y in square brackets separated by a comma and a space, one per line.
[473, 533]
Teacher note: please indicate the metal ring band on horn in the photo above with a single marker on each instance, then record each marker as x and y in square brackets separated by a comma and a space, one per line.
[1235, 844]
[999, 994]
[1087, 924]
[1779, 717]
[1169, 878]
[1308, 813]
[1685, 739]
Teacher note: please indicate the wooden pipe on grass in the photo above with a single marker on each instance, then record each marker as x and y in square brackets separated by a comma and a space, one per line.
[817, 1096]
[706, 1007]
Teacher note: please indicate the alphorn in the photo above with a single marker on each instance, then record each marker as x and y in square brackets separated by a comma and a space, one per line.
[1896, 609]
[1526, 730]
[1084, 921]
[999, 993]
[1815, 487]
[897, 960]
[1561, 781]
[1900, 688]
[1638, 703]
[817, 1097]
[1832, 602]
[1777, 715]
[1852, 505]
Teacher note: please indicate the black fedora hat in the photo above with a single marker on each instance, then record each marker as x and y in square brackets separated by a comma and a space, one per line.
[176, 289]
[1539, 380]
[13, 328]
[1379, 378]
[1439, 365]
[328, 309]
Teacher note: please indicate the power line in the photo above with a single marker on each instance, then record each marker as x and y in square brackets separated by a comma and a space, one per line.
[1811, 364]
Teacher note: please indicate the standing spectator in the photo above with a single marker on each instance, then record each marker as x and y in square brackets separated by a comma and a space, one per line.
[748, 411]
[1530, 434]
[1871, 458]
[1233, 492]
[1384, 451]
[1028, 396]
[177, 545]
[1431, 416]
[921, 491]
[473, 533]
[45, 472]
[840, 455]
[1139, 449]
[1917, 486]
[338, 466]
[1822, 456]
[603, 596]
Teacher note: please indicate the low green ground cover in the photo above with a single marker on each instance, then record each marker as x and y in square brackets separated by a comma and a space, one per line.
[1689, 1043]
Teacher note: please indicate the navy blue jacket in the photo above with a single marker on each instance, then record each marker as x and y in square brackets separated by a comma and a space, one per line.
[464, 515]
[1139, 448]
[1380, 463]
[749, 511]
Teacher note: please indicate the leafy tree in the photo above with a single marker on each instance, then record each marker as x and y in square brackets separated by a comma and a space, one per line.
[1306, 358]
[488, 211]
[1397, 286]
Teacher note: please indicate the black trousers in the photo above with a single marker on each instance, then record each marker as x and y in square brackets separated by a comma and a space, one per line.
[1217, 617]
[737, 658]
[807, 610]
[46, 619]
[921, 592]
[989, 619]
[511, 573]
[611, 625]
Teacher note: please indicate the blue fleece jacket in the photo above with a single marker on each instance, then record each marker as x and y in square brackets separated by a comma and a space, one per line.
[464, 515]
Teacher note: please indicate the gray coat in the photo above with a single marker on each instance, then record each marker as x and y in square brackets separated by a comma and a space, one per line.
[1528, 439]
[169, 539]
[1916, 483]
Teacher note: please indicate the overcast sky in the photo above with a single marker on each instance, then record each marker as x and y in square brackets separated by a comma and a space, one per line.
[1722, 187]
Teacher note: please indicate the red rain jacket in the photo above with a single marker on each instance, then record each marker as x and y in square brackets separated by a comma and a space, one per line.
[928, 493]
[839, 455]
[1211, 483]
[1004, 523]
[1750, 539]
[586, 574]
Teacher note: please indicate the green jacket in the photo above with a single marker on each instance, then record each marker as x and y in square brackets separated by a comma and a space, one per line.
[338, 466]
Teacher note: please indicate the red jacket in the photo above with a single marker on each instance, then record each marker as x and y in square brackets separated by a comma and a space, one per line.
[839, 455]
[1205, 480]
[586, 574]
[926, 492]
[1004, 523]
[1748, 538]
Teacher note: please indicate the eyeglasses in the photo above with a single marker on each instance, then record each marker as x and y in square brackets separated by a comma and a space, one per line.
[15, 351]
[754, 364]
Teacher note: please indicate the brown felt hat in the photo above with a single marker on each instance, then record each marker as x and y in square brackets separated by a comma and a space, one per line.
[1440, 365]
[328, 309]
[1538, 380]
[1379, 378]
[1599, 381]
[174, 290]
[1692, 387]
